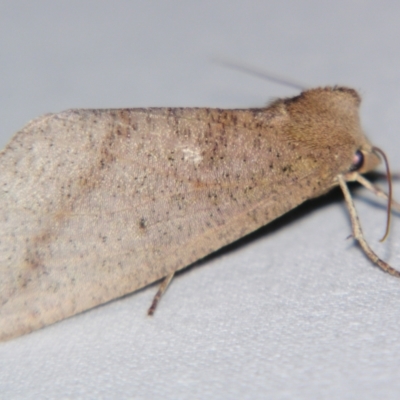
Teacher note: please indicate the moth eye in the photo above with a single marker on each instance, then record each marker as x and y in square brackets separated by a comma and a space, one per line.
[358, 161]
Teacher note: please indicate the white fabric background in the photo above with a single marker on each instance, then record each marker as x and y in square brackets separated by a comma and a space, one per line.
[295, 311]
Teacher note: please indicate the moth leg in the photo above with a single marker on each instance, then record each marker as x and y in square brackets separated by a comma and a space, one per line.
[163, 287]
[358, 234]
[376, 190]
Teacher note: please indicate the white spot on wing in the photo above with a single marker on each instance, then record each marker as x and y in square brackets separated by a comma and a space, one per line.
[192, 155]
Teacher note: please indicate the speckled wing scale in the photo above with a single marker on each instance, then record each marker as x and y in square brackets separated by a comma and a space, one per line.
[95, 204]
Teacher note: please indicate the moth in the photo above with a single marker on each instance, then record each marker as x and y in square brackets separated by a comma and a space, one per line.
[95, 204]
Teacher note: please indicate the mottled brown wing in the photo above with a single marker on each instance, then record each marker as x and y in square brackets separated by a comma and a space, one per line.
[95, 204]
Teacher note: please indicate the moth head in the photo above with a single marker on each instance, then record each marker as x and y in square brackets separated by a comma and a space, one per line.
[326, 121]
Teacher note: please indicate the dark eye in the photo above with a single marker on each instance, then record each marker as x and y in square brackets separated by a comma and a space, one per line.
[358, 161]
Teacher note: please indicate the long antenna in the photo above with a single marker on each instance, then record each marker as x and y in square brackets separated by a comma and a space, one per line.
[390, 194]
[257, 72]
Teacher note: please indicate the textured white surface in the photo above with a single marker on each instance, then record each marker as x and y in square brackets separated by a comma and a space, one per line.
[293, 312]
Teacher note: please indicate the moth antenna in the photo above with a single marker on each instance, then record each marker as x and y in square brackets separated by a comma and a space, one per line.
[358, 234]
[259, 73]
[390, 195]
